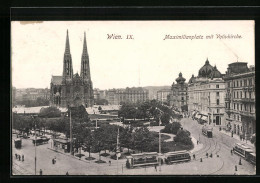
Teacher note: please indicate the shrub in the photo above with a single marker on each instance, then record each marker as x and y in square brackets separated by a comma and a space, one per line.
[183, 136]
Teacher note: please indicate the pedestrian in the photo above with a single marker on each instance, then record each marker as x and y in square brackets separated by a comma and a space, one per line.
[67, 173]
[22, 157]
[40, 171]
[53, 161]
[235, 167]
[109, 163]
[19, 157]
[194, 156]
[211, 155]
[15, 156]
[231, 152]
[240, 163]
[155, 167]
[197, 142]
[207, 155]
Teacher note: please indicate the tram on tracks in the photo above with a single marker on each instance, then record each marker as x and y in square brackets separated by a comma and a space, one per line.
[142, 159]
[18, 143]
[252, 158]
[207, 131]
[177, 156]
[40, 141]
[243, 150]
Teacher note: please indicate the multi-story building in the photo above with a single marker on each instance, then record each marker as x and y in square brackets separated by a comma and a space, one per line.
[31, 94]
[240, 99]
[162, 95]
[129, 95]
[96, 94]
[179, 94]
[206, 94]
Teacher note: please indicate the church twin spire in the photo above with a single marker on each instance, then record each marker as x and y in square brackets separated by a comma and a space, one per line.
[67, 62]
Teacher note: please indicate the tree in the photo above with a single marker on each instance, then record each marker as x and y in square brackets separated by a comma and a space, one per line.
[100, 108]
[183, 136]
[88, 140]
[142, 139]
[50, 112]
[172, 128]
[79, 114]
[125, 137]
[127, 111]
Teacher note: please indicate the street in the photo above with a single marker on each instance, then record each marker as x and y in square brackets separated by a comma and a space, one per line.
[220, 145]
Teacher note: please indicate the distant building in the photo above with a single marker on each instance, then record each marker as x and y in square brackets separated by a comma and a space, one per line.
[31, 94]
[206, 94]
[96, 94]
[128, 95]
[240, 99]
[162, 95]
[179, 95]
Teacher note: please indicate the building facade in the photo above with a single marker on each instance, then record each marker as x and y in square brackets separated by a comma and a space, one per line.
[179, 93]
[72, 89]
[127, 95]
[206, 94]
[31, 94]
[240, 99]
[162, 95]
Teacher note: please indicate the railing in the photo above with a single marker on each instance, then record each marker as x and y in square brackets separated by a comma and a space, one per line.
[247, 113]
[247, 100]
[227, 99]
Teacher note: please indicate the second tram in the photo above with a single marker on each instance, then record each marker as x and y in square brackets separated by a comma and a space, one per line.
[207, 131]
[177, 156]
[242, 150]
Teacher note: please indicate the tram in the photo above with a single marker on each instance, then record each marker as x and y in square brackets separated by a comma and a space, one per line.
[40, 141]
[142, 159]
[177, 156]
[242, 150]
[18, 143]
[207, 131]
[252, 158]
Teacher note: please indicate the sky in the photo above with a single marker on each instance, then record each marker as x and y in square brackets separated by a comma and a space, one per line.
[147, 60]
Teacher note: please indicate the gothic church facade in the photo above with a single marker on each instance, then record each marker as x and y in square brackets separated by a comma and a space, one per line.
[72, 89]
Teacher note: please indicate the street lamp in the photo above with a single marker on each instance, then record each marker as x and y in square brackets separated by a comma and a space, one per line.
[70, 131]
[35, 142]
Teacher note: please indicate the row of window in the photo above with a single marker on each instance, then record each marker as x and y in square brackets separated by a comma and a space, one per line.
[240, 94]
[241, 107]
[241, 83]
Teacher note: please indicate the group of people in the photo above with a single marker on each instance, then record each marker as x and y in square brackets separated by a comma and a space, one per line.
[19, 157]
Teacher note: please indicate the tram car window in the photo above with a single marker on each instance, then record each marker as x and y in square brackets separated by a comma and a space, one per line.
[142, 159]
[242, 150]
[177, 156]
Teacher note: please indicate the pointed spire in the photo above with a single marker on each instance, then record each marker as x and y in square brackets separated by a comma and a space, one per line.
[85, 50]
[67, 47]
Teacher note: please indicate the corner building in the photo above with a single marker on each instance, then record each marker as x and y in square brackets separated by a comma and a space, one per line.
[240, 99]
[206, 95]
[72, 89]
[179, 95]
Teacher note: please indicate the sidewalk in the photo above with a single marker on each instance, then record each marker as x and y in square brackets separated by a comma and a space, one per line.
[235, 136]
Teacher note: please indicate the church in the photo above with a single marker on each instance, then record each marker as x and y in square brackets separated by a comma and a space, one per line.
[72, 89]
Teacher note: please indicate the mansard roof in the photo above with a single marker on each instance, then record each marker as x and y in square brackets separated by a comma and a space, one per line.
[56, 80]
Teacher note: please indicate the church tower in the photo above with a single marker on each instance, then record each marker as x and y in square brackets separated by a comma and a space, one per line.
[67, 62]
[85, 70]
[85, 75]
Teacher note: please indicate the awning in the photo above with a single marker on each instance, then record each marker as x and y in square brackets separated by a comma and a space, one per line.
[205, 118]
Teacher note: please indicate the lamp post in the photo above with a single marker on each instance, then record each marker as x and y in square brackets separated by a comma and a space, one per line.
[70, 132]
[35, 142]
